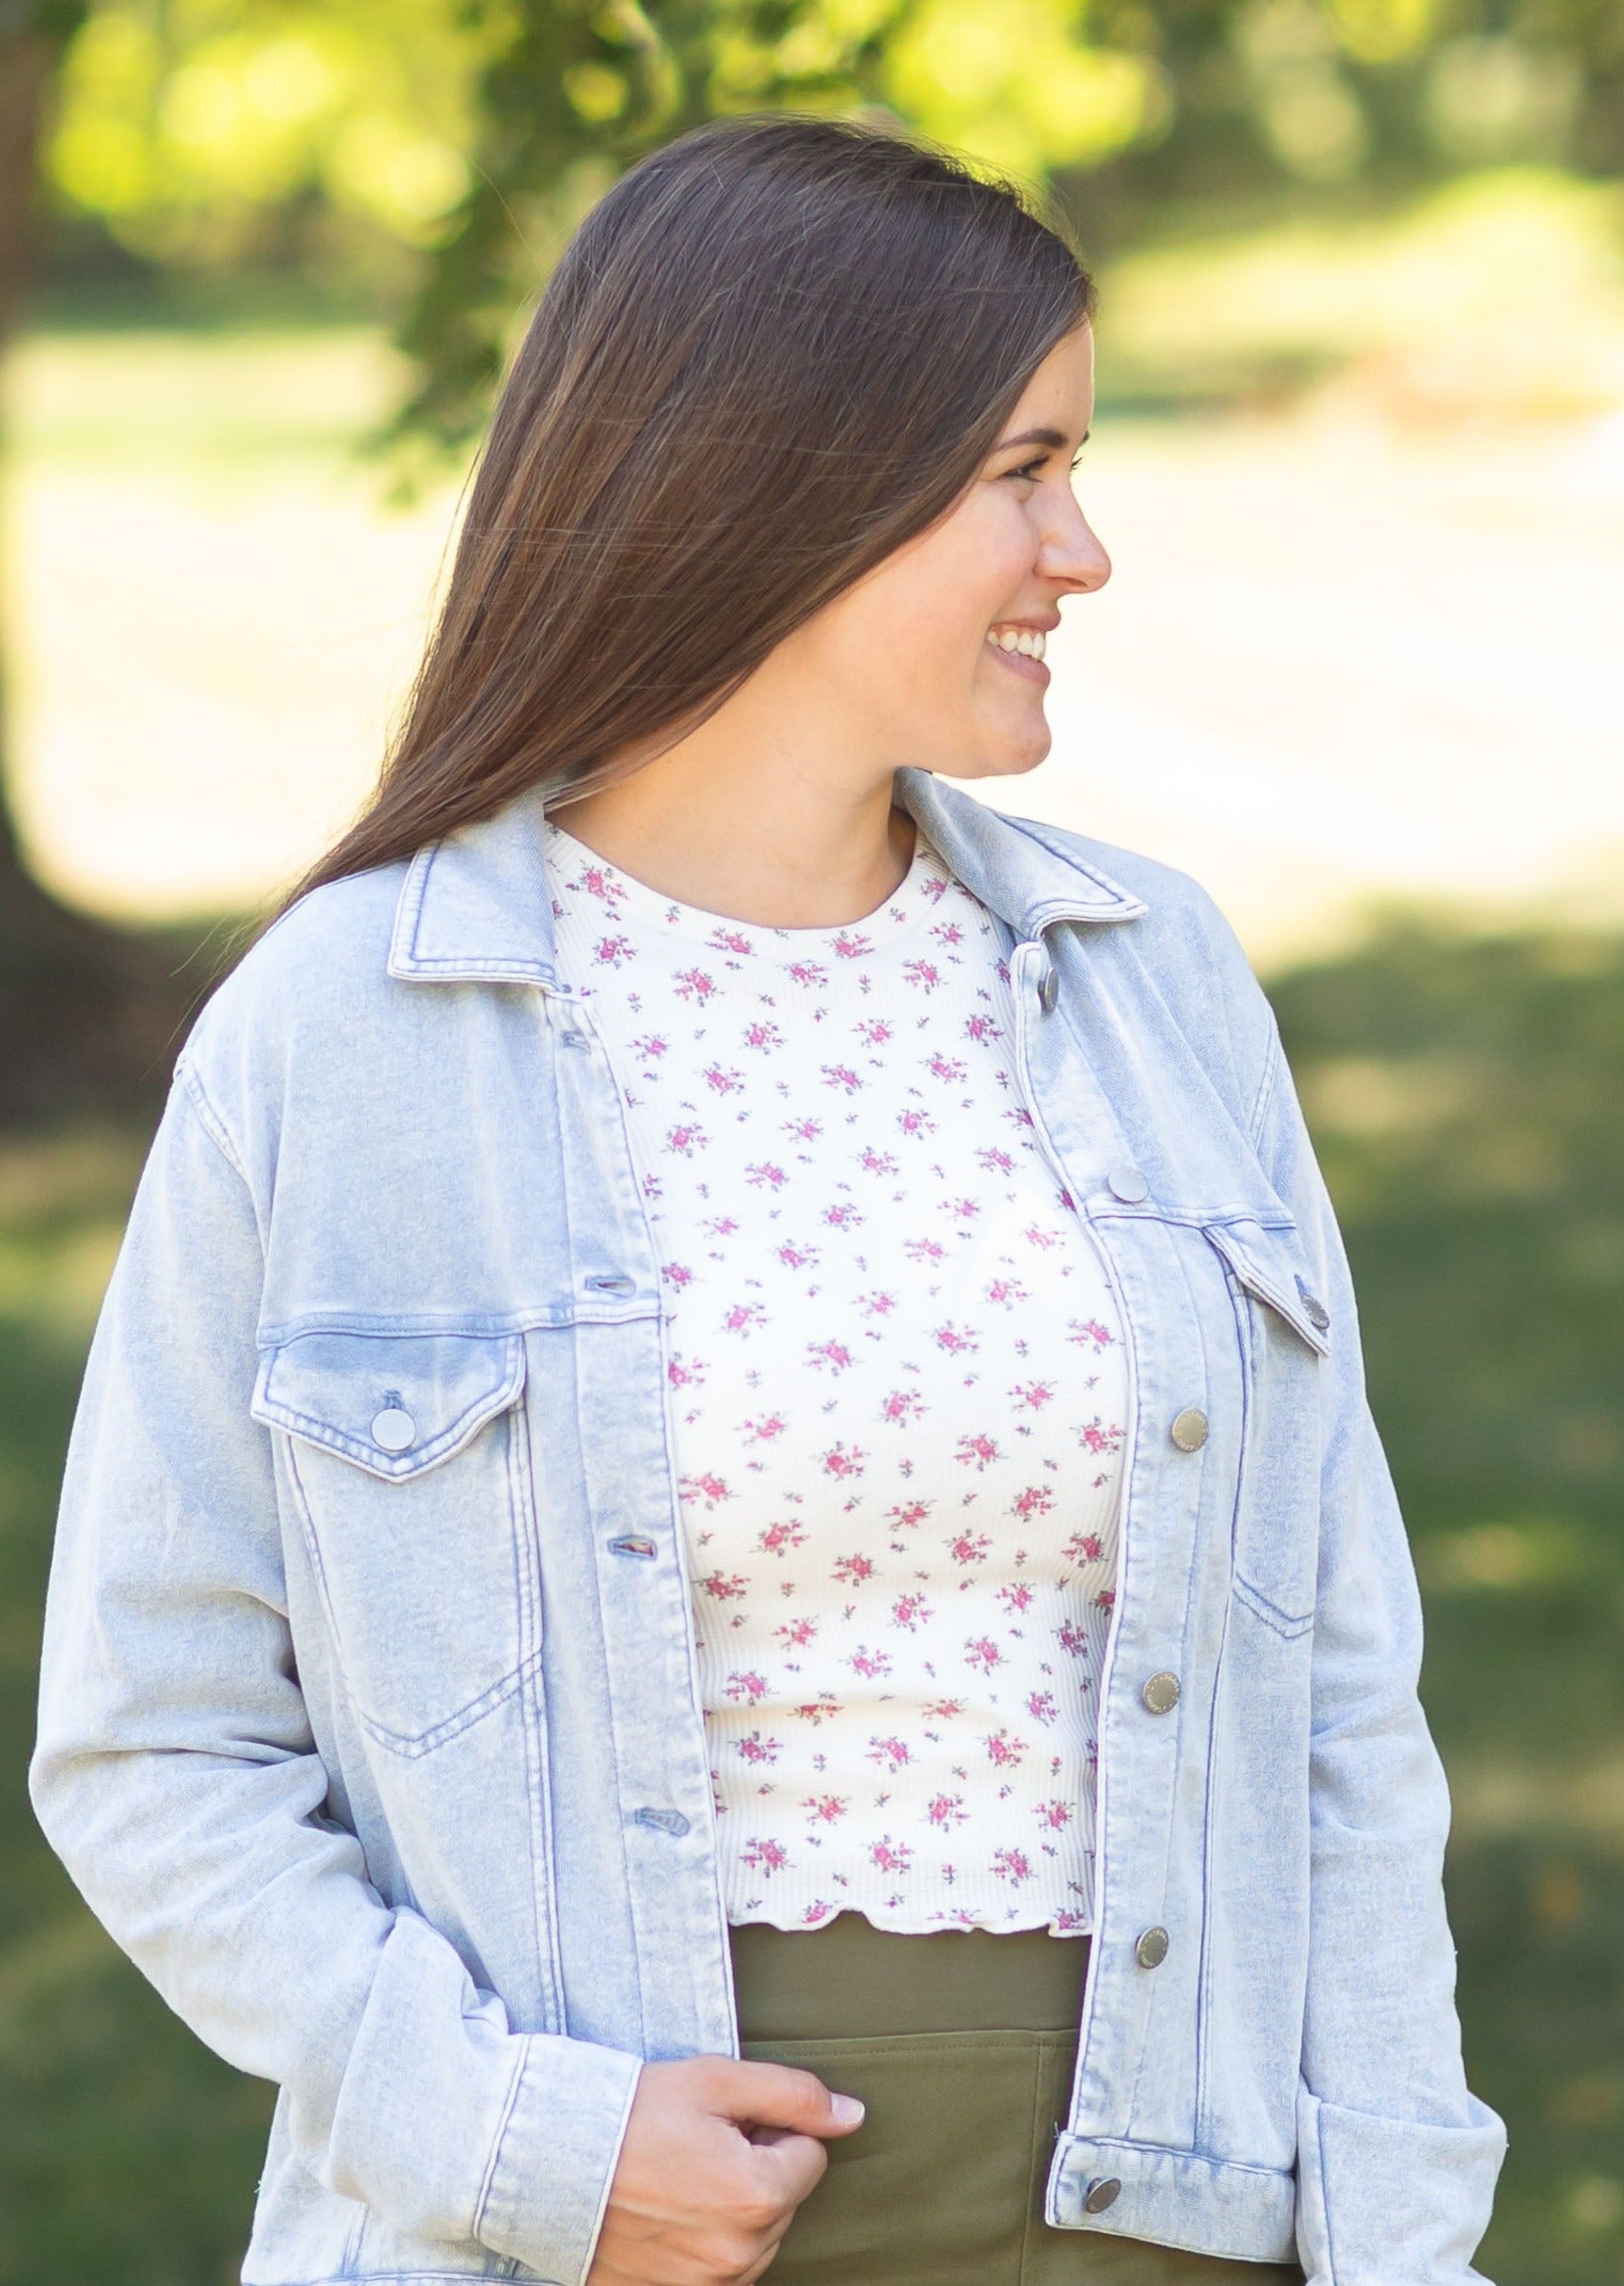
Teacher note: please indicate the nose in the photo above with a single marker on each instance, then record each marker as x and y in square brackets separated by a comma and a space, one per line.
[1072, 554]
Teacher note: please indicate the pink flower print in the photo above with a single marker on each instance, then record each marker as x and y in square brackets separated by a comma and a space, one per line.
[833, 1354]
[1006, 1292]
[687, 1372]
[970, 1547]
[1071, 1639]
[743, 1317]
[651, 1046]
[947, 933]
[764, 1430]
[609, 951]
[979, 1448]
[1015, 1598]
[902, 1406]
[879, 1304]
[807, 973]
[677, 1274]
[850, 947]
[687, 1139]
[924, 974]
[946, 1810]
[798, 1257]
[747, 1688]
[955, 1341]
[816, 1912]
[762, 1035]
[910, 1612]
[756, 1749]
[1011, 1866]
[982, 1028]
[982, 1652]
[1032, 1500]
[764, 1856]
[1089, 1333]
[840, 1075]
[873, 1032]
[915, 1121]
[721, 1081]
[826, 1810]
[1056, 1816]
[842, 1460]
[874, 1161]
[777, 1539]
[891, 1754]
[890, 1856]
[1041, 1707]
[961, 1210]
[944, 1709]
[719, 1226]
[925, 1249]
[1065, 1920]
[1099, 1438]
[1032, 1395]
[707, 1489]
[804, 1130]
[1083, 1548]
[733, 941]
[844, 1215]
[814, 1710]
[995, 1160]
[872, 1666]
[723, 1587]
[1005, 1752]
[601, 885]
[850, 1571]
[1106, 1598]
[946, 1067]
[1035, 1235]
[695, 984]
[795, 1634]
[907, 1515]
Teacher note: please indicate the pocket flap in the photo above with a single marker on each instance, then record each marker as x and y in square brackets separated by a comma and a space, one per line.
[394, 1403]
[1270, 1264]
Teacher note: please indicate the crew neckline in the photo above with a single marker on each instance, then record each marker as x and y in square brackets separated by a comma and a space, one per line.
[623, 899]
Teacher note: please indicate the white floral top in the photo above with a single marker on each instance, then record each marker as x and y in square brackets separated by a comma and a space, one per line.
[897, 1389]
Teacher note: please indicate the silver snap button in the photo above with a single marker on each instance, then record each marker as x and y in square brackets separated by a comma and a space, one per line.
[1189, 1429]
[612, 1283]
[394, 1430]
[1102, 2195]
[1152, 1950]
[1313, 1308]
[1161, 1692]
[1049, 989]
[1127, 1184]
[666, 1821]
[574, 1039]
[633, 1544]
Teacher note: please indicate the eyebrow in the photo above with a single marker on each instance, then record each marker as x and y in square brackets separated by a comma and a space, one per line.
[1051, 438]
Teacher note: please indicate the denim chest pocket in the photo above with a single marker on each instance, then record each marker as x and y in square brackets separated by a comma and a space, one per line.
[1285, 1333]
[404, 1460]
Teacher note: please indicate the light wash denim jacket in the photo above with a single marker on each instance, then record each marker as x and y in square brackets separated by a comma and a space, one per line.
[369, 1723]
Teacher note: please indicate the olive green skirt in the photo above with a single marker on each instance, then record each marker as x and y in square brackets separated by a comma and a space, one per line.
[963, 2048]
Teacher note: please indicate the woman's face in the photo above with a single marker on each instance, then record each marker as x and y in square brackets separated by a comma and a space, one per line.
[922, 652]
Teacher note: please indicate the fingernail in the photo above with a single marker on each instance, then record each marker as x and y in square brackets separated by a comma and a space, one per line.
[847, 2110]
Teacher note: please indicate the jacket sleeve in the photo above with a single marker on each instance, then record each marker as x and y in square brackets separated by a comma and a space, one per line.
[177, 1776]
[1397, 2161]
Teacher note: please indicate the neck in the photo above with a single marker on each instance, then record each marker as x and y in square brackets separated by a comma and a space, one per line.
[754, 827]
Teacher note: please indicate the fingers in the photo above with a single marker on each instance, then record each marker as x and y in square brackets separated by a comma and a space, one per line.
[777, 2095]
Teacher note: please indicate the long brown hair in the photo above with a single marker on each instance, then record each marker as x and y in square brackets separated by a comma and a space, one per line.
[775, 351]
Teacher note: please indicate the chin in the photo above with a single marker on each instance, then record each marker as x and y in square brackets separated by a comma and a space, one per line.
[1011, 761]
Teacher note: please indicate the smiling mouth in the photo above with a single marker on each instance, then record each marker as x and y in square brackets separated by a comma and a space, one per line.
[1020, 650]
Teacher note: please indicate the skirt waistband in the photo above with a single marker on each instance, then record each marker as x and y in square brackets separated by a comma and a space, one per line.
[850, 1981]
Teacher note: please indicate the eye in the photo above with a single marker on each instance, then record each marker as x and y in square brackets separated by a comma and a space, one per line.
[1030, 469]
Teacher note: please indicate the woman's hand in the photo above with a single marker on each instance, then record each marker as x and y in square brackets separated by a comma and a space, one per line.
[716, 2158]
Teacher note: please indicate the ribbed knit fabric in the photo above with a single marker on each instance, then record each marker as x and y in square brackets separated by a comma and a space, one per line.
[897, 1389]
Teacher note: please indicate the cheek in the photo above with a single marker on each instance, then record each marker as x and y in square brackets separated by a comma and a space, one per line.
[946, 593]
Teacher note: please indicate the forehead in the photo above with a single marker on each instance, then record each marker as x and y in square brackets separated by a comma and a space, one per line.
[1060, 393]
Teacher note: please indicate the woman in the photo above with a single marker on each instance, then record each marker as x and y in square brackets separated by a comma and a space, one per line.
[725, 1476]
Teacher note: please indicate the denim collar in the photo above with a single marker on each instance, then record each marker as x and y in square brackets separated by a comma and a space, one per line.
[475, 907]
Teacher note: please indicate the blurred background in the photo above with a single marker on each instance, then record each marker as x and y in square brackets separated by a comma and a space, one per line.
[1360, 460]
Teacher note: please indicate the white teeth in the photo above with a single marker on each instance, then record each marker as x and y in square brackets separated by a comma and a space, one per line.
[1028, 641]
